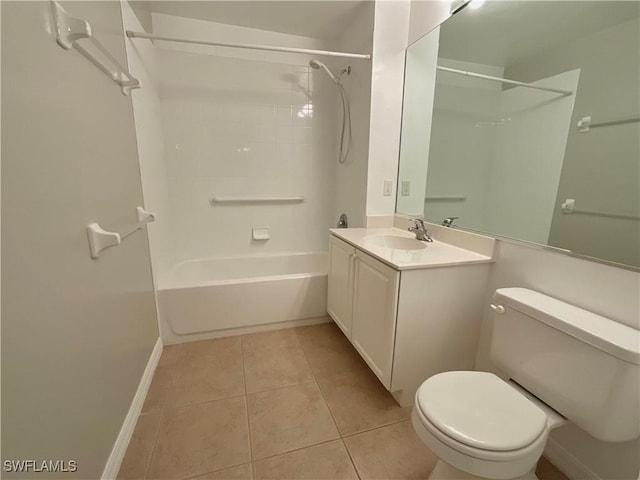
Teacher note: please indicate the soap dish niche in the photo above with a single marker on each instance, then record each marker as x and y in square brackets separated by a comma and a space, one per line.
[260, 233]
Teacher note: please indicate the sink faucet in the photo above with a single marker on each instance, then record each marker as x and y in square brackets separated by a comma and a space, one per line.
[448, 222]
[419, 230]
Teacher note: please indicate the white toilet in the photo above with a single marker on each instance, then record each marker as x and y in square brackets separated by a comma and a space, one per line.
[563, 364]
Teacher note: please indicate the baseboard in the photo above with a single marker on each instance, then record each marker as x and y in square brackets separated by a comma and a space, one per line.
[567, 463]
[122, 442]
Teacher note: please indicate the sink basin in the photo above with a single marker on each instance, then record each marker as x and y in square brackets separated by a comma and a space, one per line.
[395, 242]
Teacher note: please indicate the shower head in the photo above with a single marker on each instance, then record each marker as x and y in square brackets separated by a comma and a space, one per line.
[318, 65]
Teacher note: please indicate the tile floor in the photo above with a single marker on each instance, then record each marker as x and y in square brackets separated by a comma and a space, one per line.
[288, 404]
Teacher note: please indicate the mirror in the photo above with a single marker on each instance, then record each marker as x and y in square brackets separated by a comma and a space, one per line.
[531, 129]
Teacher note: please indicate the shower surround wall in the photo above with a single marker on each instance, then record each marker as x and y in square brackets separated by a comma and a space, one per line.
[244, 123]
[350, 183]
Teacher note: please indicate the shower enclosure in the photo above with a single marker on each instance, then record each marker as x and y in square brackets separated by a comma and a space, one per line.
[253, 137]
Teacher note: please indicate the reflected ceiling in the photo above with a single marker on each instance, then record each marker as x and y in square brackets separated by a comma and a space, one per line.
[505, 32]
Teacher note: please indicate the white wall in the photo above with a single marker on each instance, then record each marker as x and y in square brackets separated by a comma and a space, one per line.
[417, 112]
[76, 333]
[390, 32]
[245, 123]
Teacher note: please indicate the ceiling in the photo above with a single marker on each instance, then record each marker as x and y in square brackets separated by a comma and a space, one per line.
[502, 32]
[325, 20]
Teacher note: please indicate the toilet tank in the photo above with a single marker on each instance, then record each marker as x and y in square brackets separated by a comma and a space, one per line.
[583, 365]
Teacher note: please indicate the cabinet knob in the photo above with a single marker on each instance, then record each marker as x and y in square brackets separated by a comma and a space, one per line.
[497, 308]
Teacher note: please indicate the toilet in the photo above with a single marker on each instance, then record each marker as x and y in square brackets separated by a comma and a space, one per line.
[561, 364]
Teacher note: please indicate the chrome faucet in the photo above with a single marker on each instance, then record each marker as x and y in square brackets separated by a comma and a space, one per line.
[448, 222]
[419, 230]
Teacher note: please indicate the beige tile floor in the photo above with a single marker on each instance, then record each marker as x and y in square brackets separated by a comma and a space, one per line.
[289, 404]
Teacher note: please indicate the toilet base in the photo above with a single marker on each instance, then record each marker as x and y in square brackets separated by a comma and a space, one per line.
[444, 471]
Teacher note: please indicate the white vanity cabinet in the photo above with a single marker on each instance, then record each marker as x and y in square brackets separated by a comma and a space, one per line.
[340, 287]
[406, 324]
[375, 298]
[362, 300]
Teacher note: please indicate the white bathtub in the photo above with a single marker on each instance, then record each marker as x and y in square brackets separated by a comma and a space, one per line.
[213, 297]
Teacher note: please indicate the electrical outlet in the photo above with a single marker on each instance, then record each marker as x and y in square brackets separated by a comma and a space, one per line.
[388, 187]
[406, 188]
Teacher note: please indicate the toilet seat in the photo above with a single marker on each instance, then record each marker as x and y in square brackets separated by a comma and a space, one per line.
[480, 410]
[443, 433]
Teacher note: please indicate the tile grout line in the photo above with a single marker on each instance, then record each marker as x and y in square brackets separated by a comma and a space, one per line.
[353, 463]
[246, 404]
[306, 382]
[244, 382]
[315, 379]
[312, 381]
[367, 430]
[340, 436]
[297, 449]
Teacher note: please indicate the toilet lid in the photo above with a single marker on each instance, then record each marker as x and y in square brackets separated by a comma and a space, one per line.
[480, 410]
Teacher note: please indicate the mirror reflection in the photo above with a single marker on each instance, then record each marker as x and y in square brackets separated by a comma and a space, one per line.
[531, 129]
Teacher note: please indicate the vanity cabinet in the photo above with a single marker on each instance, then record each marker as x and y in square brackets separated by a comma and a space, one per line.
[362, 300]
[375, 298]
[406, 324]
[340, 287]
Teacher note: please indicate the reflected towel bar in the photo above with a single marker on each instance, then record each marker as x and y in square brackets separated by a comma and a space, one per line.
[584, 124]
[445, 198]
[254, 199]
[568, 207]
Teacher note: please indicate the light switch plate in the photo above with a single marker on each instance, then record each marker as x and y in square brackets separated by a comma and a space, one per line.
[388, 187]
[406, 188]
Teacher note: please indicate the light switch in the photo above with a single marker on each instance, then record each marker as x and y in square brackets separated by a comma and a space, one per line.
[406, 188]
[388, 187]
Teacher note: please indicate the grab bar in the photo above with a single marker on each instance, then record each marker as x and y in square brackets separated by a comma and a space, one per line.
[254, 199]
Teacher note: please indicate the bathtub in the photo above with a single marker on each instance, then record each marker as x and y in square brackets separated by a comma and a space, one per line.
[207, 298]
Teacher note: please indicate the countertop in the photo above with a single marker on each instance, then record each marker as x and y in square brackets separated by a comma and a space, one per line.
[436, 253]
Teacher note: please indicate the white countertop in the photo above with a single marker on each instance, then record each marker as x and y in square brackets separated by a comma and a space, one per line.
[436, 253]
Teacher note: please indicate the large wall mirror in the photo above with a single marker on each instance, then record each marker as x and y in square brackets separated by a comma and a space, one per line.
[531, 129]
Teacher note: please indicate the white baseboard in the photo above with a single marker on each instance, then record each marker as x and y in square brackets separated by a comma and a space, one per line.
[122, 442]
[568, 464]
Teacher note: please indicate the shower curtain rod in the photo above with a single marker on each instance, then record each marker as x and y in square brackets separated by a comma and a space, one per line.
[328, 53]
[503, 80]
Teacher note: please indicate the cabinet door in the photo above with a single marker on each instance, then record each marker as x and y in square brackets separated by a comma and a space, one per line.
[375, 298]
[340, 288]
